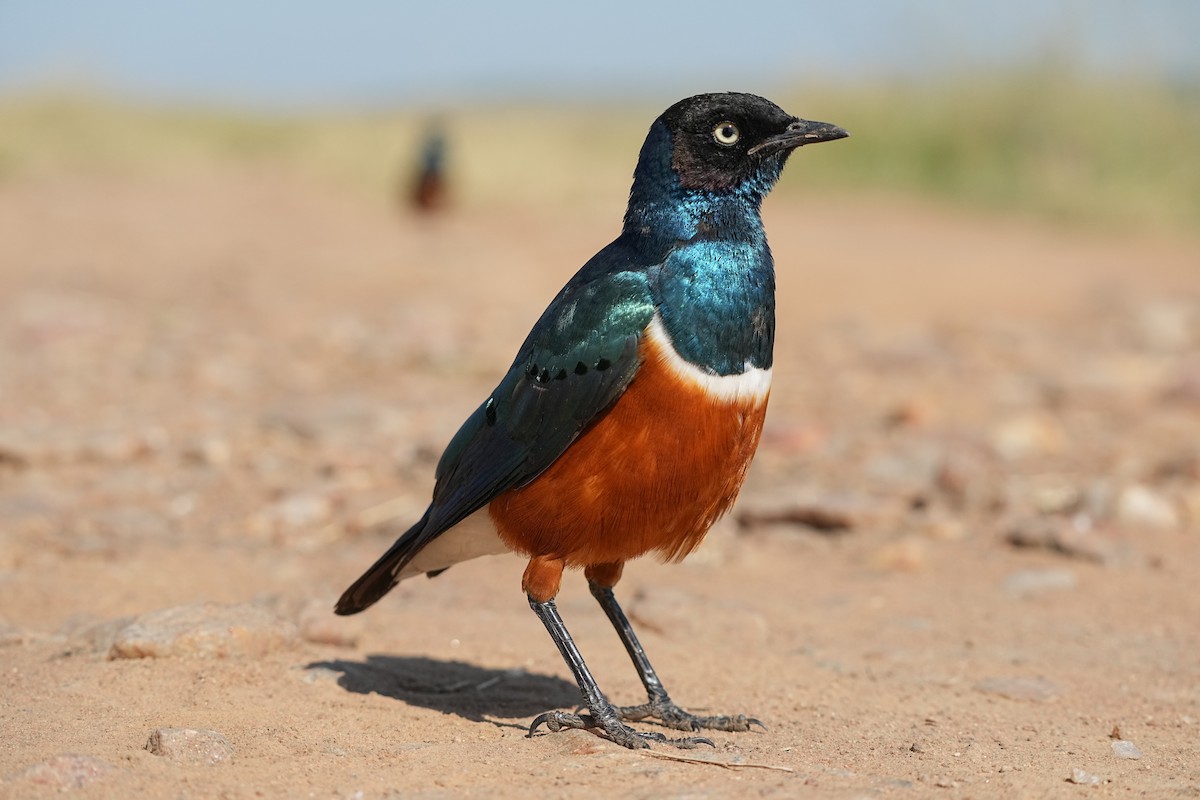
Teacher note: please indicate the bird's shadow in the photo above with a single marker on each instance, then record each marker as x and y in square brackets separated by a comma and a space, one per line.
[454, 687]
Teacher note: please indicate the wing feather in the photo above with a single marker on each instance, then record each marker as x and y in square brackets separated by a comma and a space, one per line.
[576, 362]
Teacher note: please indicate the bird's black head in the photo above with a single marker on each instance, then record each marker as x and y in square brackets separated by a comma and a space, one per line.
[729, 141]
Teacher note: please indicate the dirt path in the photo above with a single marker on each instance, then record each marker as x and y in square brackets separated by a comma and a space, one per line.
[210, 387]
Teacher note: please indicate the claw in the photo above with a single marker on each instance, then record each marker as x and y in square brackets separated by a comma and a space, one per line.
[556, 721]
[692, 742]
[543, 719]
[613, 730]
[672, 716]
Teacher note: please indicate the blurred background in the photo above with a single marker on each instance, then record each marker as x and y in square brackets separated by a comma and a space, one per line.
[1087, 110]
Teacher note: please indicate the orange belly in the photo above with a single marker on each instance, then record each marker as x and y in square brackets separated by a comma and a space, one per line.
[653, 474]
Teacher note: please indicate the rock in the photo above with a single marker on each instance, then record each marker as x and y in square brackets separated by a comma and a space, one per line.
[1036, 689]
[1027, 435]
[89, 635]
[824, 512]
[211, 452]
[1141, 508]
[1026, 582]
[204, 630]
[907, 554]
[321, 675]
[1056, 498]
[191, 746]
[909, 413]
[1084, 778]
[64, 772]
[1074, 538]
[1167, 326]
[1123, 748]
[822, 518]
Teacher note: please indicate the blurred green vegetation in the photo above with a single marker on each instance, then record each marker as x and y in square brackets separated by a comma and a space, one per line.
[1046, 142]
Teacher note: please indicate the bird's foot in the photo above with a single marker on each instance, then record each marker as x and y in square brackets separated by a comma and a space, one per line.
[612, 728]
[672, 716]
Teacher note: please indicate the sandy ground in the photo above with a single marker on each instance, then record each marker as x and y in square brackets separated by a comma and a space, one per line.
[964, 564]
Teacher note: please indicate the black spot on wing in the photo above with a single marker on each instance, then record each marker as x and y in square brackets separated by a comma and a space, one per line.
[529, 420]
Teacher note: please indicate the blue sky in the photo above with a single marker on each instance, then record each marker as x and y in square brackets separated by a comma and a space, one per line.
[303, 53]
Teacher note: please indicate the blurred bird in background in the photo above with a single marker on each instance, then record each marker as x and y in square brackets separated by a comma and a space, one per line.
[427, 190]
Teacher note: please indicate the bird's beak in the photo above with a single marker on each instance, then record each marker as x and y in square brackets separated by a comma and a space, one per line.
[798, 134]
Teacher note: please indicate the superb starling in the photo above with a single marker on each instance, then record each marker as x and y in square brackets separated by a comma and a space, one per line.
[627, 421]
[429, 191]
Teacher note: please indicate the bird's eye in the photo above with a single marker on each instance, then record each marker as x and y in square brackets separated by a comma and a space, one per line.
[726, 133]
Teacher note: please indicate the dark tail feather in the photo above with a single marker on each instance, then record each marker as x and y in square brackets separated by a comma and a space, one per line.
[381, 577]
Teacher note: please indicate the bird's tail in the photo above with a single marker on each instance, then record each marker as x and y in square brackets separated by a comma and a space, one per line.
[383, 574]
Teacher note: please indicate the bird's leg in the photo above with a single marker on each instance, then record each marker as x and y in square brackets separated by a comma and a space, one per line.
[659, 705]
[600, 714]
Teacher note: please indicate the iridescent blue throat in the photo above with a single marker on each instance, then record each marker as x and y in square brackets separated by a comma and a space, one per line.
[714, 285]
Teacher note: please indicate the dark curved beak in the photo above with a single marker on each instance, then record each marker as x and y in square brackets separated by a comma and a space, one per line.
[798, 134]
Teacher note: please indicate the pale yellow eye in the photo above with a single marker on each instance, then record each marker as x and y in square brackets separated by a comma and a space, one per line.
[726, 133]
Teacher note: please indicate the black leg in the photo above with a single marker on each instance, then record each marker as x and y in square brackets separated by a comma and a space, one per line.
[601, 714]
[660, 705]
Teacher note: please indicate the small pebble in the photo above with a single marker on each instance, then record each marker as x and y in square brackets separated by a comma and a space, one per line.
[321, 675]
[1056, 498]
[192, 746]
[211, 452]
[1084, 778]
[1027, 582]
[1167, 326]
[1027, 435]
[1141, 508]
[86, 635]
[1123, 748]
[1074, 538]
[907, 554]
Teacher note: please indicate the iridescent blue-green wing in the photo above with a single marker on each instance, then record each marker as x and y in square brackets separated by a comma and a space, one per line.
[578, 359]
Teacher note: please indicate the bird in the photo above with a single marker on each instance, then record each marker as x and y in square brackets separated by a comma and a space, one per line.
[627, 421]
[428, 191]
